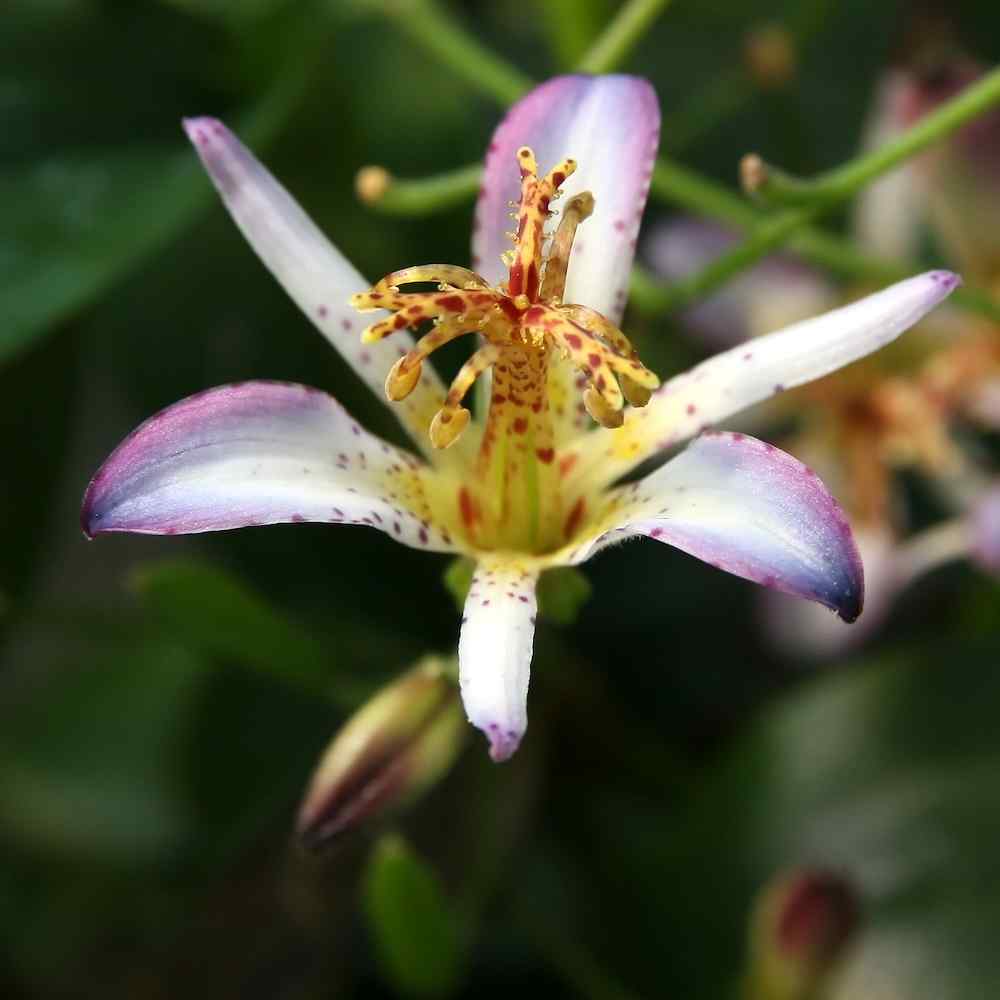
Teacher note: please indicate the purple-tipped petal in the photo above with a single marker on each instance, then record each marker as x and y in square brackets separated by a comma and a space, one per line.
[802, 630]
[779, 290]
[610, 125]
[258, 453]
[494, 653]
[747, 508]
[732, 381]
[310, 268]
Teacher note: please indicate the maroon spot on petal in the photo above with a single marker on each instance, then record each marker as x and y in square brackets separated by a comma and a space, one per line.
[345, 324]
[422, 535]
[322, 312]
[656, 532]
[545, 455]
[297, 518]
[522, 598]
[748, 355]
[691, 409]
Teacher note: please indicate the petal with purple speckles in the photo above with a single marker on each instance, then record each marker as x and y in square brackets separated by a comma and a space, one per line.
[610, 125]
[494, 652]
[748, 508]
[315, 274]
[737, 378]
[259, 453]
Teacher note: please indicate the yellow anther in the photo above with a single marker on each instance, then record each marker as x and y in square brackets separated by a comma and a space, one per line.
[526, 161]
[578, 208]
[402, 378]
[637, 395]
[447, 425]
[599, 408]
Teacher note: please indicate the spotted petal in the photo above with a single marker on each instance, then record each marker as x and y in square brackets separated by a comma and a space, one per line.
[748, 508]
[610, 125]
[309, 267]
[259, 453]
[494, 652]
[743, 375]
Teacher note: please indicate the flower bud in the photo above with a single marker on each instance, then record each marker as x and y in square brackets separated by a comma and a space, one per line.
[392, 749]
[770, 55]
[800, 926]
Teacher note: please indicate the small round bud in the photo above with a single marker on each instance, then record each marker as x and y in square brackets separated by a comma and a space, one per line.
[371, 184]
[771, 56]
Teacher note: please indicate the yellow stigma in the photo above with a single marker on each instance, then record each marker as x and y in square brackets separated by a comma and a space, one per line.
[523, 323]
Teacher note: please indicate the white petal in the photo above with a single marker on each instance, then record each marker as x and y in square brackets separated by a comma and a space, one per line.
[310, 268]
[611, 126]
[745, 507]
[259, 453]
[494, 652]
[731, 381]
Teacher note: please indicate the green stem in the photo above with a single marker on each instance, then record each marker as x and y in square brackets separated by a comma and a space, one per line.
[839, 184]
[428, 25]
[418, 197]
[440, 35]
[621, 35]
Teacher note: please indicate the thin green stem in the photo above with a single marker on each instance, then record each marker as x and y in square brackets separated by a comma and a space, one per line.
[393, 196]
[621, 35]
[839, 184]
[427, 24]
[440, 35]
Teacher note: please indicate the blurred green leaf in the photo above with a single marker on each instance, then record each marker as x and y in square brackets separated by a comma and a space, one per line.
[91, 766]
[416, 932]
[86, 209]
[458, 579]
[561, 594]
[887, 775]
[217, 613]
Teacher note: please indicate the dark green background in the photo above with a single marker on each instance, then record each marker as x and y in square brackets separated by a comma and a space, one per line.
[159, 713]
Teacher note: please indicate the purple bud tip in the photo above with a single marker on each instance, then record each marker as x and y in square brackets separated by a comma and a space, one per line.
[816, 916]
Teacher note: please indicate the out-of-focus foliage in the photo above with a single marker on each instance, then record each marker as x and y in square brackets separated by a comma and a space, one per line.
[163, 701]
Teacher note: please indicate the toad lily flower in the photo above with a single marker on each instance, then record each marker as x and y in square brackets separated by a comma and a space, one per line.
[527, 486]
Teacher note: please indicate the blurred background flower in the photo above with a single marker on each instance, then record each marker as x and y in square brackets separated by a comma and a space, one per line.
[165, 702]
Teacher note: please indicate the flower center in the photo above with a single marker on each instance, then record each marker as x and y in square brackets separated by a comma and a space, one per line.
[525, 328]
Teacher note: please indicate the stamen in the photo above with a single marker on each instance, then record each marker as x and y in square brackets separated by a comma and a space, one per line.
[441, 274]
[578, 208]
[452, 418]
[525, 271]
[522, 323]
[637, 381]
[405, 373]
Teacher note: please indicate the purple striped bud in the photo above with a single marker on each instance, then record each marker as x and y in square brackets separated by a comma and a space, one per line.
[390, 751]
[801, 924]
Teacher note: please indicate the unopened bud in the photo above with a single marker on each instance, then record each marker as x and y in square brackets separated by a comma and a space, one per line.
[392, 749]
[371, 184]
[771, 56]
[984, 531]
[800, 926]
